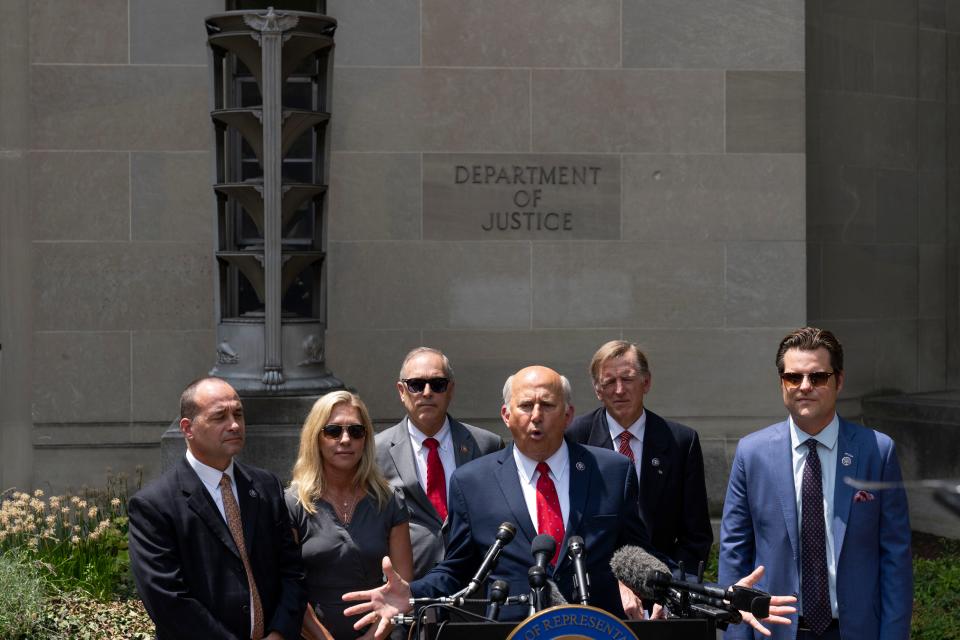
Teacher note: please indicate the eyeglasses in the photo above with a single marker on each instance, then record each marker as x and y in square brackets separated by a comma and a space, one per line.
[335, 431]
[417, 385]
[817, 378]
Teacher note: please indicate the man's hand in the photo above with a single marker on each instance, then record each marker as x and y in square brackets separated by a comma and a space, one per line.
[778, 605]
[632, 606]
[380, 604]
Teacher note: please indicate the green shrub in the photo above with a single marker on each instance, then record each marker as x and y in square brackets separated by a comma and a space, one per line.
[78, 616]
[936, 595]
[21, 596]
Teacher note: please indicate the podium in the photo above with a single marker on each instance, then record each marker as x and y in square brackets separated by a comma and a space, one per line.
[573, 621]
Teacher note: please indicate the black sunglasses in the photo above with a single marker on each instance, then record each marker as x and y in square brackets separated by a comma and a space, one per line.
[335, 431]
[817, 378]
[417, 385]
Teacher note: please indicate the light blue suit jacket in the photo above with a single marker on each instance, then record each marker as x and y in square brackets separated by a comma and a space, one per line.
[872, 537]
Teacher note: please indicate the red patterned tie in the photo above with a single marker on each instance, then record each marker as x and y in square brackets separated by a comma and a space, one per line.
[624, 446]
[436, 481]
[549, 516]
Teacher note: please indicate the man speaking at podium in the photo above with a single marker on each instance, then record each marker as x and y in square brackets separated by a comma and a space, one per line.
[544, 485]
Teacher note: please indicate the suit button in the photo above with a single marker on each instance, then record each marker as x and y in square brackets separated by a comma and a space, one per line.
[245, 608]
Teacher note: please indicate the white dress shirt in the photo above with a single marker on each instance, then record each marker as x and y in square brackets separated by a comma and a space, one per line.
[636, 442]
[420, 452]
[827, 450]
[559, 464]
[210, 478]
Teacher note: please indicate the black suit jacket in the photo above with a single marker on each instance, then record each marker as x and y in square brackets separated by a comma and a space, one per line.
[673, 492]
[188, 570]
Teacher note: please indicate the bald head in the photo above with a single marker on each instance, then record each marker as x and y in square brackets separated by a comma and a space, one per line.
[537, 410]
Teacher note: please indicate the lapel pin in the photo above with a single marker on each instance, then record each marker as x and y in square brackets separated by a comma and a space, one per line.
[655, 462]
[464, 450]
[253, 493]
[581, 466]
[846, 460]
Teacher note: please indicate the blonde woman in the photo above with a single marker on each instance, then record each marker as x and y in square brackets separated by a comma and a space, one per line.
[345, 514]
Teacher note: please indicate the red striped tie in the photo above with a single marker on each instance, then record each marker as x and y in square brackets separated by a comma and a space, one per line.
[624, 446]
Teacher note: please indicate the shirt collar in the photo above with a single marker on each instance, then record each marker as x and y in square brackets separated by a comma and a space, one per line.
[443, 436]
[209, 476]
[558, 462]
[636, 429]
[827, 437]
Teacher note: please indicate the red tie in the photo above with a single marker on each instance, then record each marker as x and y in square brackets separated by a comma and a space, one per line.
[624, 446]
[549, 516]
[436, 481]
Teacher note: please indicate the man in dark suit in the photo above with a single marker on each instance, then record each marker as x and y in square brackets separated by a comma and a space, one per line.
[667, 455]
[789, 507]
[211, 545]
[419, 467]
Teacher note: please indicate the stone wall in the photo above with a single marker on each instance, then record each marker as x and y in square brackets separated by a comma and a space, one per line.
[695, 112]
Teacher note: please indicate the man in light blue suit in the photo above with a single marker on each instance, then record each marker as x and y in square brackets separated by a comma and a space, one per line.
[845, 553]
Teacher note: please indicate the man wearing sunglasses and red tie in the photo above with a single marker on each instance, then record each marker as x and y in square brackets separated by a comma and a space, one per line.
[789, 507]
[419, 453]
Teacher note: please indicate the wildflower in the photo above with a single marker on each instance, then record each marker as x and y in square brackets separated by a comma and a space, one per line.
[50, 520]
[81, 504]
[74, 500]
[93, 535]
[92, 513]
[75, 539]
[38, 493]
[37, 505]
[32, 544]
[75, 527]
[115, 502]
[65, 510]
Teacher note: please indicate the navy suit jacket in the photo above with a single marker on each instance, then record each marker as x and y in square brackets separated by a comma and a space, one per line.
[673, 492]
[486, 492]
[871, 537]
[187, 567]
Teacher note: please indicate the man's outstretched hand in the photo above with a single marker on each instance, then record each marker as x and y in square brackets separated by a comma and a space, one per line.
[779, 605]
[380, 604]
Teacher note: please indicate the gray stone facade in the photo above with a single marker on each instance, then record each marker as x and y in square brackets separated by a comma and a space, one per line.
[774, 164]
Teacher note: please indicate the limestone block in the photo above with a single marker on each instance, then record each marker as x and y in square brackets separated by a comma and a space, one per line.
[896, 60]
[163, 363]
[114, 286]
[374, 196]
[502, 33]
[81, 376]
[369, 362]
[120, 107]
[89, 32]
[80, 196]
[765, 284]
[429, 285]
[764, 111]
[896, 206]
[170, 32]
[713, 197]
[932, 296]
[372, 33]
[172, 199]
[631, 110]
[397, 109]
[726, 34]
[613, 284]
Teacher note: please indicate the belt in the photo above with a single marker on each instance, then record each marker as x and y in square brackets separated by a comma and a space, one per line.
[803, 626]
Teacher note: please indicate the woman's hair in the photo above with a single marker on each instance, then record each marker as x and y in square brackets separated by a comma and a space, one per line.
[308, 481]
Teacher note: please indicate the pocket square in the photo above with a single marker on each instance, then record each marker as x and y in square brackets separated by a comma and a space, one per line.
[863, 496]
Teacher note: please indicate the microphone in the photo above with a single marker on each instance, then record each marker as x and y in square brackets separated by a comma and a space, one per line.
[543, 548]
[499, 591]
[505, 534]
[649, 578]
[581, 581]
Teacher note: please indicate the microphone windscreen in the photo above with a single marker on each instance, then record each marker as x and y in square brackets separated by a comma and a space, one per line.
[634, 567]
[544, 543]
[556, 597]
